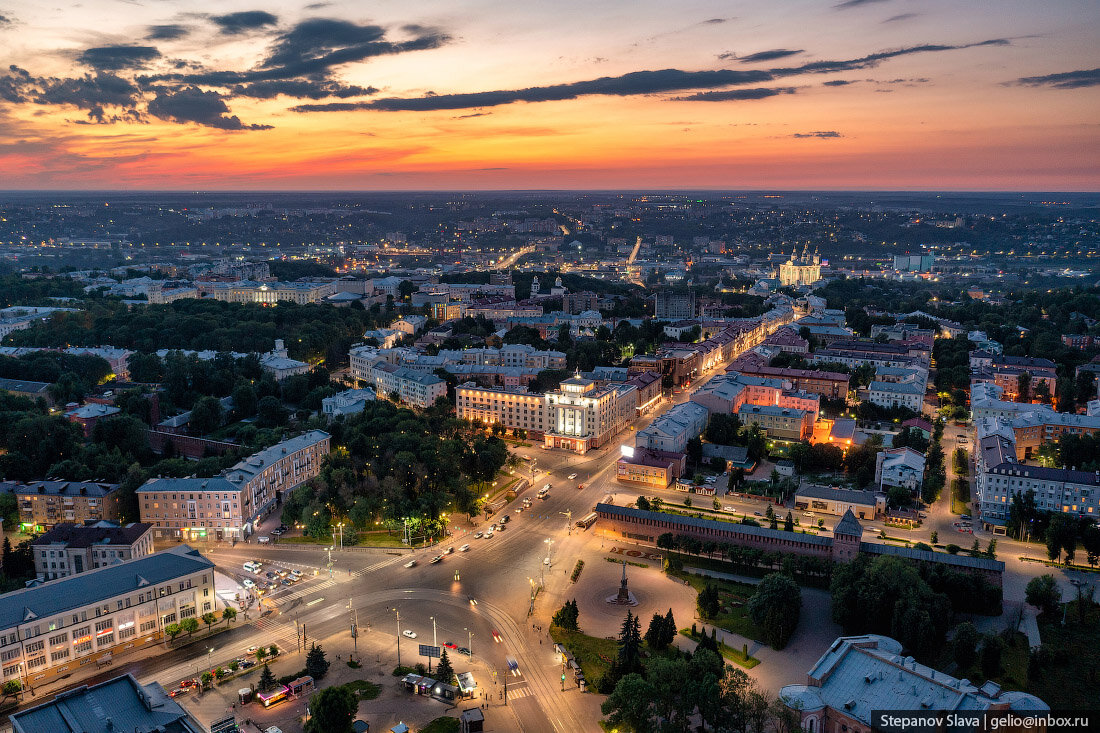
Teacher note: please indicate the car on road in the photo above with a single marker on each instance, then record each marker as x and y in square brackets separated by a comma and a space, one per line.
[478, 535]
[545, 561]
[411, 564]
[488, 534]
[758, 514]
[473, 601]
[246, 663]
[464, 548]
[296, 574]
[286, 582]
[463, 650]
[571, 476]
[496, 636]
[276, 532]
[270, 575]
[192, 683]
[251, 650]
[965, 517]
[450, 645]
[263, 539]
[437, 559]
[409, 633]
[177, 692]
[449, 551]
[807, 514]
[248, 583]
[513, 666]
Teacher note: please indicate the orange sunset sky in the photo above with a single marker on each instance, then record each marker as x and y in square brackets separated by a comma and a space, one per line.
[484, 94]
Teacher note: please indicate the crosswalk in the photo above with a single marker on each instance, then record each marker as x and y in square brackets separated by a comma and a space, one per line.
[278, 633]
[311, 587]
[515, 693]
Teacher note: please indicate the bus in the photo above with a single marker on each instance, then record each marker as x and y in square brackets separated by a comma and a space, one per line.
[279, 694]
[587, 521]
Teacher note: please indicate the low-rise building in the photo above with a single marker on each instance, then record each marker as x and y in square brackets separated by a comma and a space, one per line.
[672, 430]
[348, 402]
[55, 628]
[229, 506]
[830, 500]
[896, 394]
[86, 416]
[831, 385]
[649, 468]
[43, 504]
[412, 387]
[861, 677]
[27, 388]
[68, 548]
[899, 467]
[781, 423]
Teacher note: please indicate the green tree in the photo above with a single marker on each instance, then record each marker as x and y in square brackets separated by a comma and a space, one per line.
[709, 601]
[267, 680]
[788, 523]
[935, 537]
[316, 664]
[775, 607]
[965, 646]
[332, 710]
[1042, 592]
[567, 616]
[990, 656]
[173, 630]
[630, 645]
[270, 412]
[445, 672]
[209, 619]
[628, 706]
[228, 614]
[206, 416]
[655, 633]
[190, 625]
[244, 400]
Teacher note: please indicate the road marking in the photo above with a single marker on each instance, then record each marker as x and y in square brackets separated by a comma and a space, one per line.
[315, 601]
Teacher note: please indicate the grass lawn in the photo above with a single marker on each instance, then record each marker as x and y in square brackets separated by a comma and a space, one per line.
[363, 689]
[734, 596]
[442, 724]
[595, 655]
[737, 656]
[1069, 680]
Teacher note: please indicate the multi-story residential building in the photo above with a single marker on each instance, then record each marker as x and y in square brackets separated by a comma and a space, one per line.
[54, 628]
[859, 677]
[101, 706]
[43, 504]
[726, 394]
[86, 416]
[647, 390]
[671, 431]
[515, 409]
[857, 353]
[247, 291]
[896, 394]
[986, 402]
[999, 476]
[787, 339]
[409, 324]
[782, 423]
[832, 385]
[1032, 429]
[229, 506]
[579, 302]
[674, 305]
[68, 549]
[410, 386]
[119, 359]
[581, 416]
[899, 467]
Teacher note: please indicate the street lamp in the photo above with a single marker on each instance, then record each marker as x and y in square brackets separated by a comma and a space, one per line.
[469, 643]
[398, 636]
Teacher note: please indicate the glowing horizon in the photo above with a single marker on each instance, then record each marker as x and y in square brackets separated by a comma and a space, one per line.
[833, 95]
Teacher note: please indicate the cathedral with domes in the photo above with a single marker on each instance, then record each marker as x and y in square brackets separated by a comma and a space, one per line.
[800, 270]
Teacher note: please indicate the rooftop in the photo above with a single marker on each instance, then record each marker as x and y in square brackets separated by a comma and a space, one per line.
[710, 524]
[85, 535]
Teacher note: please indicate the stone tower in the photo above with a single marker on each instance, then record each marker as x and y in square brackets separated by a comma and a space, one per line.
[846, 538]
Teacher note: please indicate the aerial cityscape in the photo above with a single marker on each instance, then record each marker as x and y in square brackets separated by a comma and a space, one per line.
[554, 367]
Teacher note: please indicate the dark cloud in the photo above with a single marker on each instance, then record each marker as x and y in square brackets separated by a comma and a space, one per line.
[637, 82]
[246, 20]
[634, 83]
[899, 18]
[87, 92]
[731, 95]
[839, 82]
[818, 133]
[115, 58]
[855, 3]
[475, 114]
[1065, 80]
[5, 20]
[317, 6]
[716, 21]
[166, 32]
[301, 89]
[771, 55]
[312, 49]
[191, 104]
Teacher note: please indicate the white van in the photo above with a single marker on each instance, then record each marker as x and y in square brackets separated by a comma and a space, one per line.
[252, 567]
[263, 539]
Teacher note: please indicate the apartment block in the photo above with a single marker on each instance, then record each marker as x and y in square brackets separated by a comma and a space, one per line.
[515, 409]
[783, 423]
[412, 387]
[43, 504]
[228, 506]
[671, 431]
[69, 549]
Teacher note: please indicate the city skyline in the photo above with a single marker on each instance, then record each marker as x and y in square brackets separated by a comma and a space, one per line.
[855, 94]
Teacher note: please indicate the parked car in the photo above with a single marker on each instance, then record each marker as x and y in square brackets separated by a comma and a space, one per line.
[463, 650]
[263, 539]
[248, 583]
[276, 532]
[450, 645]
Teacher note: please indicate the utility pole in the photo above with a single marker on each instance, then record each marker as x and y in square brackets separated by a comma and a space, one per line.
[329, 551]
[470, 643]
[505, 676]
